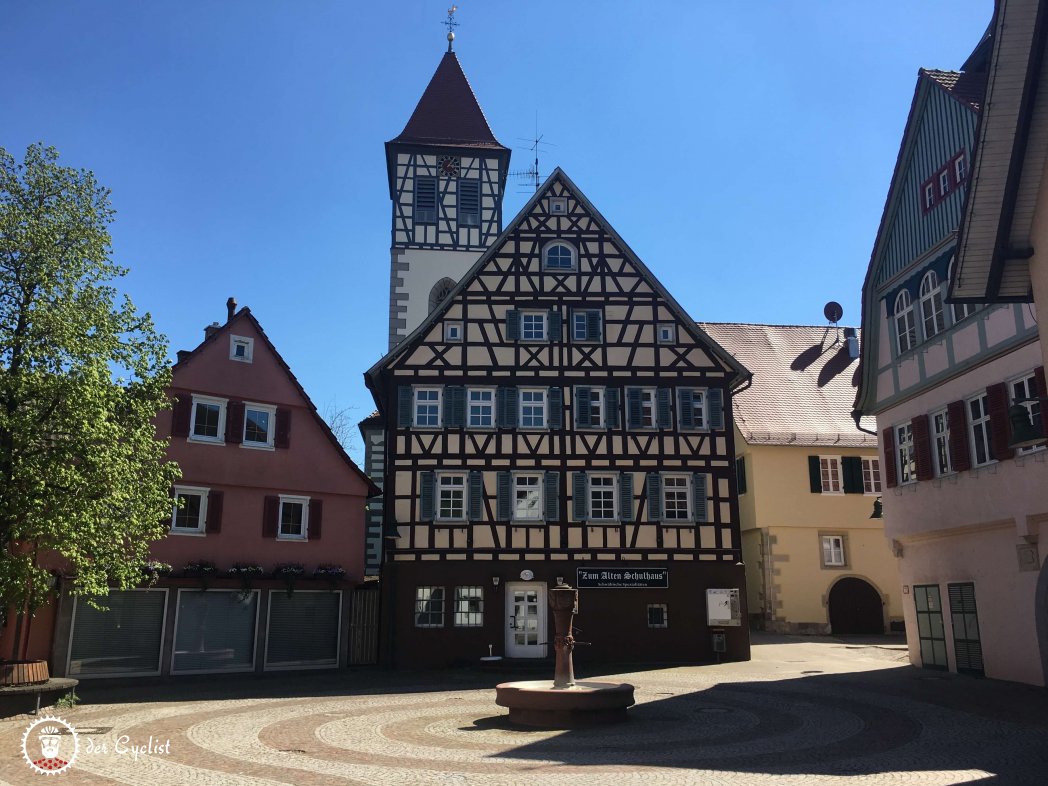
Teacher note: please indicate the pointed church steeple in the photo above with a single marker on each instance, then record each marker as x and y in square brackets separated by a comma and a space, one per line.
[447, 175]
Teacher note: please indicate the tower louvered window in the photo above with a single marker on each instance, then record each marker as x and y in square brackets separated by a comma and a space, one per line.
[425, 200]
[469, 203]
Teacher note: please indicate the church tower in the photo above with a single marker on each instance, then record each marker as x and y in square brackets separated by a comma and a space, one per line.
[447, 174]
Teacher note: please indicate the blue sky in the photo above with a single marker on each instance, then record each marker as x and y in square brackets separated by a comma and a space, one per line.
[742, 149]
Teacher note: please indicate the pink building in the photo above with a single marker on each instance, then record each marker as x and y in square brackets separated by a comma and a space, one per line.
[270, 521]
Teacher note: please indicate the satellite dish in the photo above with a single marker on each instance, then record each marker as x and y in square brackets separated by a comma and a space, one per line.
[833, 311]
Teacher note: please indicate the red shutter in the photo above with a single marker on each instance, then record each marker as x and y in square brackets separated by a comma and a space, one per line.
[1000, 428]
[214, 511]
[960, 453]
[235, 422]
[891, 475]
[316, 518]
[922, 446]
[270, 512]
[181, 414]
[283, 433]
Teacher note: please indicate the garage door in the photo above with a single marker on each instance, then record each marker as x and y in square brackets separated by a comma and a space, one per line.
[303, 629]
[124, 640]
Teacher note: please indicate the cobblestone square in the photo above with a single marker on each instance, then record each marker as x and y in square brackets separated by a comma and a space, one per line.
[803, 711]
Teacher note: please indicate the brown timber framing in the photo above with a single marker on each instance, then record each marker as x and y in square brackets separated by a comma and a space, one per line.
[509, 276]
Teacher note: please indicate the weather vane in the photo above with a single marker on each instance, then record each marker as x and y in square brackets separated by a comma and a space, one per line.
[451, 24]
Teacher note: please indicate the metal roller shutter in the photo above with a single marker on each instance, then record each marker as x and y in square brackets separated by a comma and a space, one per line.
[303, 629]
[215, 631]
[125, 639]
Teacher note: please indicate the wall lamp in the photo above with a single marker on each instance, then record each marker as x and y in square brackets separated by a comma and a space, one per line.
[1024, 433]
[495, 581]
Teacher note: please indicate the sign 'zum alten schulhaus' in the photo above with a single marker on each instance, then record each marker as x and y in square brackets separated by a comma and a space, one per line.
[623, 578]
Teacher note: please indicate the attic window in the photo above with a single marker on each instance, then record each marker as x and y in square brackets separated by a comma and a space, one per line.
[667, 333]
[558, 205]
[241, 348]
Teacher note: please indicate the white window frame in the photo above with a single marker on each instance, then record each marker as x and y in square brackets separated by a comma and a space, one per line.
[521, 404]
[221, 403]
[940, 428]
[558, 206]
[614, 486]
[688, 504]
[449, 330]
[960, 168]
[571, 250]
[490, 404]
[944, 183]
[932, 306]
[905, 455]
[872, 482]
[544, 320]
[833, 553]
[830, 475]
[903, 313]
[290, 499]
[649, 396]
[271, 435]
[666, 333]
[439, 403]
[190, 491]
[452, 488]
[665, 615]
[418, 600]
[700, 414]
[929, 196]
[980, 425]
[597, 395]
[463, 617]
[1033, 408]
[241, 341]
[537, 487]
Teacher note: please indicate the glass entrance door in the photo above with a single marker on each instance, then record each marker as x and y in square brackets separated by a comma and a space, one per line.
[526, 620]
[930, 629]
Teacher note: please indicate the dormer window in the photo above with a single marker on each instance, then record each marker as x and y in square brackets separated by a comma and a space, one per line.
[929, 196]
[960, 168]
[559, 256]
[241, 348]
[944, 183]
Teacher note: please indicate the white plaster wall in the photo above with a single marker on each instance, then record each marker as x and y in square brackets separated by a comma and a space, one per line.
[425, 268]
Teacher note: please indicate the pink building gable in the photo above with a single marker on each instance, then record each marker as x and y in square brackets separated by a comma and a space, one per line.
[243, 485]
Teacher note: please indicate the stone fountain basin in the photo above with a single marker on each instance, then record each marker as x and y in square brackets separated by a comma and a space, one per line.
[587, 703]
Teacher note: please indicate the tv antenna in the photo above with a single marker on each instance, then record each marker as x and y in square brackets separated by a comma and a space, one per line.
[532, 176]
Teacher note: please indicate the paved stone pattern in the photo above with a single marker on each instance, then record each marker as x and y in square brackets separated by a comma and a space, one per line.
[802, 712]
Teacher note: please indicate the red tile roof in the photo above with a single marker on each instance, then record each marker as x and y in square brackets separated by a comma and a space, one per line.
[448, 112]
[968, 87]
[803, 385]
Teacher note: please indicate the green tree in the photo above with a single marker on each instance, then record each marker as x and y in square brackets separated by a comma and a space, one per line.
[83, 479]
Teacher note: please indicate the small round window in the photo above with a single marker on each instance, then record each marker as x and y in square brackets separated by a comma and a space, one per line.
[560, 257]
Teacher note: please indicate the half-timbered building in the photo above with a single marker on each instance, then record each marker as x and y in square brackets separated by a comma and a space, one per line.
[558, 417]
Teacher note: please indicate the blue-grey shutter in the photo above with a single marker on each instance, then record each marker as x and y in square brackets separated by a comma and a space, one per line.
[556, 408]
[686, 402]
[505, 489]
[662, 400]
[551, 490]
[716, 397]
[582, 407]
[580, 496]
[593, 326]
[611, 407]
[427, 495]
[506, 407]
[554, 325]
[454, 407]
[404, 405]
[699, 494]
[634, 413]
[476, 496]
[513, 325]
[626, 496]
[654, 496]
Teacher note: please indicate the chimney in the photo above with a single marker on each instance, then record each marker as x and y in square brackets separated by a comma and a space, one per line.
[183, 354]
[231, 309]
[210, 330]
[852, 341]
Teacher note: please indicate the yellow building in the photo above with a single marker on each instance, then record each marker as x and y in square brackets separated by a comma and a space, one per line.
[816, 560]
